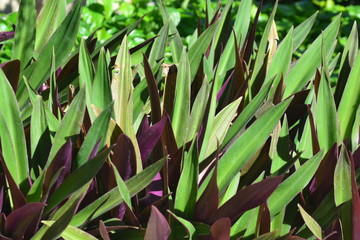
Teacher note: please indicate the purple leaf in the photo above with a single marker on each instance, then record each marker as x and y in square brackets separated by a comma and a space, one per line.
[19, 220]
[355, 202]
[220, 230]
[103, 231]
[6, 35]
[61, 162]
[209, 200]
[324, 177]
[247, 198]
[12, 72]
[222, 90]
[356, 157]
[147, 140]
[157, 228]
[153, 92]
[154, 191]
[16, 195]
[124, 157]
[265, 219]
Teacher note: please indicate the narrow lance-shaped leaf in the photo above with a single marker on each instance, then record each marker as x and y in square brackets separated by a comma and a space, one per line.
[185, 200]
[157, 227]
[97, 132]
[50, 17]
[12, 134]
[311, 59]
[101, 91]
[314, 227]
[123, 190]
[25, 32]
[122, 93]
[233, 160]
[182, 100]
[288, 189]
[72, 233]
[112, 198]
[342, 178]
[70, 125]
[77, 179]
[350, 101]
[86, 75]
[301, 31]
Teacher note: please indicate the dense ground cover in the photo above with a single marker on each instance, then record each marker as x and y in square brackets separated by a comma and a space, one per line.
[236, 131]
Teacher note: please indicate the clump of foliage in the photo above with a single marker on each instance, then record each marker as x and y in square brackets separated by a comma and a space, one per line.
[233, 139]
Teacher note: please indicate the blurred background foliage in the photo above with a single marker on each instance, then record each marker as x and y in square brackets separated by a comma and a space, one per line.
[107, 17]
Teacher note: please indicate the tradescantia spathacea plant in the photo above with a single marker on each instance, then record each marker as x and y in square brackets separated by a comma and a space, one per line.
[230, 138]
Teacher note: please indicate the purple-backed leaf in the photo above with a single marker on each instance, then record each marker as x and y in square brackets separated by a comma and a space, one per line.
[124, 157]
[18, 221]
[1, 198]
[356, 157]
[17, 196]
[265, 219]
[220, 230]
[4, 238]
[209, 200]
[145, 213]
[169, 137]
[141, 45]
[247, 198]
[174, 166]
[153, 92]
[250, 39]
[222, 89]
[297, 107]
[355, 202]
[324, 177]
[12, 72]
[144, 126]
[148, 140]
[170, 85]
[154, 191]
[157, 227]
[314, 136]
[6, 35]
[103, 231]
[62, 160]
[95, 150]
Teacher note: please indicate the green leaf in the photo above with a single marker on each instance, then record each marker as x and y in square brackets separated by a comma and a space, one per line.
[241, 26]
[39, 134]
[62, 41]
[176, 44]
[25, 32]
[198, 110]
[342, 178]
[260, 56]
[311, 223]
[235, 129]
[12, 135]
[250, 141]
[326, 117]
[122, 94]
[185, 200]
[49, 19]
[281, 61]
[77, 179]
[190, 229]
[288, 189]
[181, 112]
[72, 233]
[221, 124]
[311, 59]
[112, 198]
[301, 31]
[282, 148]
[86, 75]
[231, 190]
[101, 91]
[70, 125]
[199, 48]
[350, 101]
[97, 132]
[123, 190]
[159, 46]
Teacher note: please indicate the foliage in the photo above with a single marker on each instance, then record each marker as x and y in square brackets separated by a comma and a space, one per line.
[236, 137]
